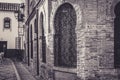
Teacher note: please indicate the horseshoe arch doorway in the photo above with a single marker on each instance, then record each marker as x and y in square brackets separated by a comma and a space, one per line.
[65, 45]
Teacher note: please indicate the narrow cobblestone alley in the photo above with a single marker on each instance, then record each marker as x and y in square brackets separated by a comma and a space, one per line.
[7, 71]
[59, 39]
[24, 74]
[14, 70]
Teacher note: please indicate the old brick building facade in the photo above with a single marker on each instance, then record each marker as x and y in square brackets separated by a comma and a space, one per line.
[73, 39]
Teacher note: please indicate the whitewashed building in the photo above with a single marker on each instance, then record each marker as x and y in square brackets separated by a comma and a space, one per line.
[9, 37]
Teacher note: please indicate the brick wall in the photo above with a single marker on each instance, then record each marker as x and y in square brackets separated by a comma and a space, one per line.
[95, 39]
[95, 30]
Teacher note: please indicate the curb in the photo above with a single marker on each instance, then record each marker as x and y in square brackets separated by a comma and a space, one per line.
[16, 72]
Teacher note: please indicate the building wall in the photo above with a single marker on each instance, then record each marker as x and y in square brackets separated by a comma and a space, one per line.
[8, 35]
[95, 39]
[80, 32]
[33, 61]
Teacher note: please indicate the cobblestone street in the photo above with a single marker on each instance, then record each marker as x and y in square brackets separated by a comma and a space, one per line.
[14, 70]
[7, 71]
[23, 73]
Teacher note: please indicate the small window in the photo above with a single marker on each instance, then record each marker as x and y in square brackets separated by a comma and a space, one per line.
[7, 22]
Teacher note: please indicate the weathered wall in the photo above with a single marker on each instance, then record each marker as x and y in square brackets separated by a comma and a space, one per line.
[95, 35]
[9, 34]
[95, 39]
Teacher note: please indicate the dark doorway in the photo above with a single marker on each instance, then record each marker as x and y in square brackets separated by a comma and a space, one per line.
[3, 47]
[43, 38]
[117, 35]
[65, 37]
[31, 41]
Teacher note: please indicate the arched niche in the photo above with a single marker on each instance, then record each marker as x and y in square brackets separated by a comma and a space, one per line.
[65, 45]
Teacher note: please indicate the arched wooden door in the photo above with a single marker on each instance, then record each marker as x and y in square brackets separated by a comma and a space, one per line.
[65, 36]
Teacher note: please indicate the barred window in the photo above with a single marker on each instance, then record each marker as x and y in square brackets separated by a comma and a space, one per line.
[7, 22]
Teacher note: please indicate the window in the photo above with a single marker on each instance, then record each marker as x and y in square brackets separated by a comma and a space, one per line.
[7, 22]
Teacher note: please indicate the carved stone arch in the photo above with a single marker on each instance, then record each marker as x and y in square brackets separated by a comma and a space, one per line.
[65, 45]
[42, 29]
[116, 10]
[113, 6]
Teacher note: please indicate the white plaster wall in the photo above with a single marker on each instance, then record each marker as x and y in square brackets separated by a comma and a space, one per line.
[11, 1]
[8, 35]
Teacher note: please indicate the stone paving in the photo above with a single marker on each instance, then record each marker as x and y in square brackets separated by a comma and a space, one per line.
[7, 71]
[23, 72]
